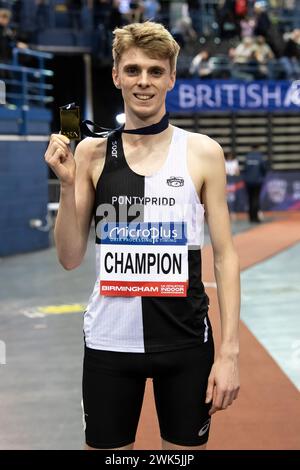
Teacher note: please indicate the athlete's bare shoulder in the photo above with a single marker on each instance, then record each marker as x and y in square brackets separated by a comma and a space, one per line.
[205, 152]
[204, 146]
[91, 148]
[90, 155]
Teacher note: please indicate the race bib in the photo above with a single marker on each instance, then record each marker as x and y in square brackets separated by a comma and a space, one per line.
[144, 259]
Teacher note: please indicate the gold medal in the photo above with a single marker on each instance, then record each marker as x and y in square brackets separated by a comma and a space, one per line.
[70, 121]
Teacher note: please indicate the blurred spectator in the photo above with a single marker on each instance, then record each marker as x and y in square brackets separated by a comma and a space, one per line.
[195, 12]
[232, 177]
[244, 62]
[229, 23]
[150, 10]
[131, 11]
[247, 25]
[290, 60]
[244, 50]
[231, 165]
[241, 8]
[183, 31]
[200, 66]
[264, 56]
[165, 13]
[262, 20]
[264, 27]
[136, 10]
[8, 40]
[115, 15]
[220, 66]
[8, 36]
[255, 170]
[252, 59]
[263, 50]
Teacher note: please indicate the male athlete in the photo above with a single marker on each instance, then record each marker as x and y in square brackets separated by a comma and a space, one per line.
[148, 185]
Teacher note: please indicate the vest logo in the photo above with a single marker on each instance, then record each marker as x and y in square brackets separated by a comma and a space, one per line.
[204, 428]
[114, 149]
[175, 181]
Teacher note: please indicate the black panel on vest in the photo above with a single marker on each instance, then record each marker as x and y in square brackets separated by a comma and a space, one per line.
[117, 180]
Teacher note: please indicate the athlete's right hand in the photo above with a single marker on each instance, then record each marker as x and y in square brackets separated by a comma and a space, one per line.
[60, 159]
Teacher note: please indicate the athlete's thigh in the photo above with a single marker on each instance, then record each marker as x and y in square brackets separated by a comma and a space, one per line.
[129, 447]
[113, 391]
[180, 390]
[165, 445]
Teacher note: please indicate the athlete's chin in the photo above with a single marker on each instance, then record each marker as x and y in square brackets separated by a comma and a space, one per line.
[143, 112]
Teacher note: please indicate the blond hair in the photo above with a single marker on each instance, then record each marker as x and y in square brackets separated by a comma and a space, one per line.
[6, 12]
[153, 38]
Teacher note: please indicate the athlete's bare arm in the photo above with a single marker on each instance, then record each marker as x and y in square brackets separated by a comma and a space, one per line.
[77, 175]
[223, 384]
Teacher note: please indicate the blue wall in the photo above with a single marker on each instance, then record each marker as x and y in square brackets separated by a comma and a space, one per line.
[23, 196]
[37, 121]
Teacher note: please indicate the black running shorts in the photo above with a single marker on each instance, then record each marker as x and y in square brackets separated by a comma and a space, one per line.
[113, 390]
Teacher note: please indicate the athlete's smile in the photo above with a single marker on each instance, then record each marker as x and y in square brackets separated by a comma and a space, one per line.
[143, 96]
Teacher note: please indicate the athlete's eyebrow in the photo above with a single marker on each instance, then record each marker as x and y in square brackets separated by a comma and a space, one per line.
[157, 67]
[128, 66]
[151, 68]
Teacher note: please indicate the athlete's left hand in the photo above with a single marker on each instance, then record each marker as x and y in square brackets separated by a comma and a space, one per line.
[223, 383]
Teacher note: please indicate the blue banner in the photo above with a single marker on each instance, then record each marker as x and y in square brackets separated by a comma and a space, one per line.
[144, 233]
[237, 198]
[281, 191]
[195, 95]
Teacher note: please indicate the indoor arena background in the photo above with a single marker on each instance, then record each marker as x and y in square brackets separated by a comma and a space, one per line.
[60, 52]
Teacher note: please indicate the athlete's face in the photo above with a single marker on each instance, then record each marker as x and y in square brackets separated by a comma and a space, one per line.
[144, 83]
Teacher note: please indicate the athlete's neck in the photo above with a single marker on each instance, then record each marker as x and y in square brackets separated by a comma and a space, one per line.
[141, 128]
[147, 128]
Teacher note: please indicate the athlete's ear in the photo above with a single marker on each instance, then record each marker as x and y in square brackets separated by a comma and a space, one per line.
[172, 80]
[115, 77]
